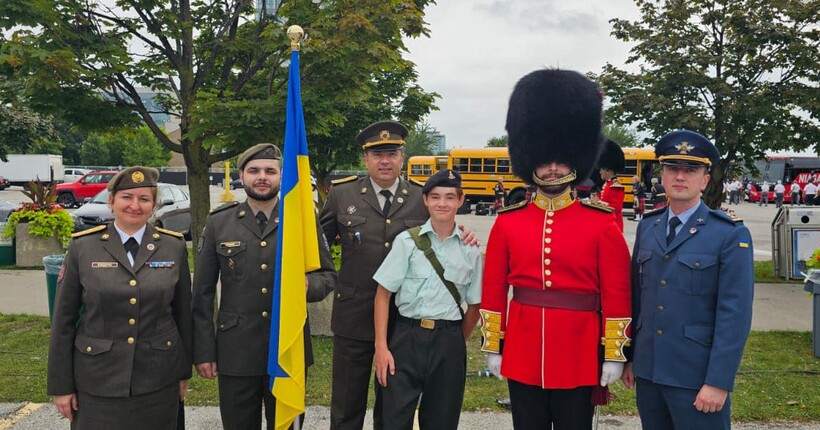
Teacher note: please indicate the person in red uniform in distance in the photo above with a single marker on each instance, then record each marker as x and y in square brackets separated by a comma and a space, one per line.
[612, 192]
[566, 261]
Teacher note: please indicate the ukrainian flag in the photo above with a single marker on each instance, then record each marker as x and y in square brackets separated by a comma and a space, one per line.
[297, 254]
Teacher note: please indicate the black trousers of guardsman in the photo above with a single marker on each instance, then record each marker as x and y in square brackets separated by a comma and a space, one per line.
[534, 407]
[431, 362]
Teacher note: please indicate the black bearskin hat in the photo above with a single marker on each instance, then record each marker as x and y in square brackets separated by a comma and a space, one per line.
[612, 158]
[554, 115]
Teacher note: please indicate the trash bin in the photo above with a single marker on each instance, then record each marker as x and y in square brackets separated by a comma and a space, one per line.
[52, 264]
[813, 286]
[7, 252]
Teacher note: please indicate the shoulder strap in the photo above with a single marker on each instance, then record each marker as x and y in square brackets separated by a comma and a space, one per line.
[424, 245]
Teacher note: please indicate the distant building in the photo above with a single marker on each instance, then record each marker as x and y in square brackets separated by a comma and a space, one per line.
[439, 142]
[266, 7]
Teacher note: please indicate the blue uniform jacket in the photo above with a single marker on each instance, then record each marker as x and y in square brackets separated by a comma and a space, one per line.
[692, 300]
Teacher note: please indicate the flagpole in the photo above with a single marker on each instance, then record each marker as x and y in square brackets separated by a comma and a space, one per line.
[295, 34]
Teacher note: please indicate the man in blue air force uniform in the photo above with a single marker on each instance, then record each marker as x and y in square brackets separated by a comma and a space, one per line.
[692, 283]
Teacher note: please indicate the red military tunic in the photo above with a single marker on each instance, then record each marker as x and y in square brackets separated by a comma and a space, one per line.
[561, 245]
[613, 195]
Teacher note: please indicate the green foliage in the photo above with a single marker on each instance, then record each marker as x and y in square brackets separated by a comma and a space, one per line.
[419, 140]
[496, 142]
[744, 73]
[45, 218]
[41, 194]
[622, 135]
[124, 147]
[22, 130]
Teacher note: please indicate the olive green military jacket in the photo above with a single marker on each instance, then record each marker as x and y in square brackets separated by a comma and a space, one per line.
[352, 212]
[235, 252]
[134, 336]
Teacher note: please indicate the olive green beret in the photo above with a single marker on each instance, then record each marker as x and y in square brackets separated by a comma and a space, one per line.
[134, 177]
[261, 151]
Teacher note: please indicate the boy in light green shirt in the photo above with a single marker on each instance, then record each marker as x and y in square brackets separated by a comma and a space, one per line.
[427, 349]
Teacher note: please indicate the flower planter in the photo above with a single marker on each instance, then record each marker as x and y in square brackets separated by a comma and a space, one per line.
[30, 250]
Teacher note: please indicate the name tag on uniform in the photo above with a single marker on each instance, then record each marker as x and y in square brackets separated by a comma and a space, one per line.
[104, 264]
[159, 264]
[230, 244]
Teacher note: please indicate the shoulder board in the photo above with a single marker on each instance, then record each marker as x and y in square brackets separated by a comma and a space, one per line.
[223, 207]
[511, 208]
[89, 231]
[654, 212]
[170, 233]
[597, 206]
[727, 215]
[616, 184]
[415, 182]
[343, 180]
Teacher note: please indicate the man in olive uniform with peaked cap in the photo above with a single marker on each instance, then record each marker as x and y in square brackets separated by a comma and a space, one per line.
[238, 248]
[366, 214]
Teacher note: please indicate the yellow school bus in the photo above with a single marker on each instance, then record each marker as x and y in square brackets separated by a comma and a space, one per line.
[422, 167]
[640, 162]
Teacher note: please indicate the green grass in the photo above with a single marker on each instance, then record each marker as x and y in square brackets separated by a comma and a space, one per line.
[764, 273]
[778, 377]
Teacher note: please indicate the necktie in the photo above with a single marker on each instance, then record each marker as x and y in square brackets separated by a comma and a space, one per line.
[131, 247]
[386, 208]
[262, 220]
[674, 222]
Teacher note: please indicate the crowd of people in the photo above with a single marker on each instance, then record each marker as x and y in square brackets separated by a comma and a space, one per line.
[129, 324]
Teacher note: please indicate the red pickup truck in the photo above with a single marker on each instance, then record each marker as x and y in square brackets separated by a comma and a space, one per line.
[75, 193]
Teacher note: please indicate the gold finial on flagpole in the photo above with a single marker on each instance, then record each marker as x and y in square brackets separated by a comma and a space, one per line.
[295, 34]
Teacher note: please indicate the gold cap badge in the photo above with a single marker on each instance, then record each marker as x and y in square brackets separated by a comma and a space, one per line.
[137, 177]
[684, 148]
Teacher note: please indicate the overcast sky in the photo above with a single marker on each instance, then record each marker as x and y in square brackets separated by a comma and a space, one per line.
[478, 49]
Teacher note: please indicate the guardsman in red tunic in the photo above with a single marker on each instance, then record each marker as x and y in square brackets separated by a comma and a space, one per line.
[566, 262]
[612, 193]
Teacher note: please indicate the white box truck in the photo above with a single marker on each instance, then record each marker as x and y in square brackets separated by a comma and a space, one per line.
[22, 168]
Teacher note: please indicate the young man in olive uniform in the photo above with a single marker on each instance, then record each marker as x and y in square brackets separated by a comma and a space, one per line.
[238, 248]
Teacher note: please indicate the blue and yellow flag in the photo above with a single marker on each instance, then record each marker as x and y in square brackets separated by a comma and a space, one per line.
[297, 254]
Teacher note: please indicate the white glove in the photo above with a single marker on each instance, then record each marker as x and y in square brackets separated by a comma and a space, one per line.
[494, 364]
[611, 372]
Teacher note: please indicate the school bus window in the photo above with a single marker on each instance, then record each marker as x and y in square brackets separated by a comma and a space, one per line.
[631, 167]
[503, 165]
[475, 165]
[460, 164]
[415, 169]
[427, 170]
[489, 165]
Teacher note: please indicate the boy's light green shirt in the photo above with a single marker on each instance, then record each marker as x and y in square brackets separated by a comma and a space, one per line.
[419, 290]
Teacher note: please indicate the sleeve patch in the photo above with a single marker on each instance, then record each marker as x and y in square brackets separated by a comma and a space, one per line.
[744, 245]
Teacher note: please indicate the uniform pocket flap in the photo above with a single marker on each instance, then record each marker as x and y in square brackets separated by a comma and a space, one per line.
[228, 249]
[347, 220]
[226, 321]
[165, 341]
[697, 261]
[345, 293]
[643, 255]
[92, 345]
[701, 334]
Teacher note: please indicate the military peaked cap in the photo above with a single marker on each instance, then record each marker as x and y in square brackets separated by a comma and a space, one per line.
[686, 148]
[382, 136]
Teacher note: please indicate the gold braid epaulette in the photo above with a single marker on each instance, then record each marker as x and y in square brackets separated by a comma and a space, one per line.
[223, 207]
[343, 180]
[415, 182]
[171, 233]
[492, 336]
[510, 208]
[89, 231]
[615, 338]
[597, 205]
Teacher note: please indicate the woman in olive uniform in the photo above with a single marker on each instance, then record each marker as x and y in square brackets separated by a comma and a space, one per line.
[125, 361]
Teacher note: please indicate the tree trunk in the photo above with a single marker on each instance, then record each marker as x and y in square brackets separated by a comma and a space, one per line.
[199, 187]
[713, 194]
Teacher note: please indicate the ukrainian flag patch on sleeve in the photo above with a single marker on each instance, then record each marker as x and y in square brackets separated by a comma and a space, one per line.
[744, 244]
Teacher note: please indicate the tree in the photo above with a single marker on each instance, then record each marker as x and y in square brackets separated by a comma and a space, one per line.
[497, 142]
[215, 67]
[742, 72]
[23, 131]
[419, 140]
[124, 147]
[622, 135]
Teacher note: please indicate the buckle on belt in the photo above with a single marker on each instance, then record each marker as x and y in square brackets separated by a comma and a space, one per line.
[428, 324]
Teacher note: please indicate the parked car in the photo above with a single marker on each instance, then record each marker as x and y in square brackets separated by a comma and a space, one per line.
[236, 183]
[4, 183]
[173, 211]
[78, 192]
[73, 173]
